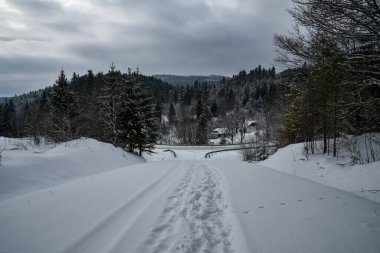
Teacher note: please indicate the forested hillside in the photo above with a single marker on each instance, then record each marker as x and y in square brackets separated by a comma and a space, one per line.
[189, 80]
[88, 105]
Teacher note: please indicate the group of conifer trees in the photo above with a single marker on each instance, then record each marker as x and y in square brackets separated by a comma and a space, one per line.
[120, 112]
[334, 53]
[194, 111]
[116, 108]
[8, 123]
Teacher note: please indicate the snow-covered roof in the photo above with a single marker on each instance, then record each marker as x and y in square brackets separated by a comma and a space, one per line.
[251, 122]
[165, 119]
[220, 130]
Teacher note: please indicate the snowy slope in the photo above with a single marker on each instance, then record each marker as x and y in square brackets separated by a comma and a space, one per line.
[183, 204]
[283, 213]
[362, 180]
[26, 168]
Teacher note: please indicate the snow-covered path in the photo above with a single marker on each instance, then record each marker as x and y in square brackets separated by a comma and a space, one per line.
[195, 215]
[155, 207]
[189, 206]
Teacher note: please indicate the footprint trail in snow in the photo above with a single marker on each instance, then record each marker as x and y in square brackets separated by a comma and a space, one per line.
[196, 216]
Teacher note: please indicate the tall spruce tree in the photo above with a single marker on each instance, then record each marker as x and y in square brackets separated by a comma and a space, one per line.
[138, 124]
[214, 109]
[148, 131]
[201, 131]
[158, 112]
[172, 114]
[88, 108]
[110, 105]
[63, 110]
[131, 116]
[199, 109]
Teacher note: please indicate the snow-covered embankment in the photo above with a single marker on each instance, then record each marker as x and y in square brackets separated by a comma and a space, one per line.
[25, 168]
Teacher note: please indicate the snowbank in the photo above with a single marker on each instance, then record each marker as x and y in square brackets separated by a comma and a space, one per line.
[362, 180]
[25, 167]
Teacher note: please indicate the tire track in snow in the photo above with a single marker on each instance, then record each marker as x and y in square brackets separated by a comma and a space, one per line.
[195, 217]
[109, 227]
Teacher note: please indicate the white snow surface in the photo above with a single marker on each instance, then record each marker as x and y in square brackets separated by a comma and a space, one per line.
[362, 180]
[182, 204]
[27, 168]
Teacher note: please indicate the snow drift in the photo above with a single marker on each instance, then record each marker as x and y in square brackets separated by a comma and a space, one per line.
[360, 179]
[26, 168]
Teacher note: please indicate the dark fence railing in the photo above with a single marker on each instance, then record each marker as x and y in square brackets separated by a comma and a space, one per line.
[208, 154]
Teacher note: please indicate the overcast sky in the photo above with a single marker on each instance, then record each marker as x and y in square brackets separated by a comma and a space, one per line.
[39, 37]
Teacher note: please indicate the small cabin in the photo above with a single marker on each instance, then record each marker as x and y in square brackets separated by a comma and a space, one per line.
[219, 132]
[251, 126]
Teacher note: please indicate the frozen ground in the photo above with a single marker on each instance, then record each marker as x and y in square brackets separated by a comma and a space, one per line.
[184, 204]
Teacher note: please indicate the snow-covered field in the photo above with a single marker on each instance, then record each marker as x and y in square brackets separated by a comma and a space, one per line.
[114, 202]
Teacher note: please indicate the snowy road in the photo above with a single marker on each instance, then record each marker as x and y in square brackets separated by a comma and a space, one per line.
[189, 206]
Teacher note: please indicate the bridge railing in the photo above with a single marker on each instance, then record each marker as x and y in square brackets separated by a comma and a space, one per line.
[252, 146]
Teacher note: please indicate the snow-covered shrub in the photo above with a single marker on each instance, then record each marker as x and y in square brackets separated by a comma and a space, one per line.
[258, 152]
[364, 148]
[248, 155]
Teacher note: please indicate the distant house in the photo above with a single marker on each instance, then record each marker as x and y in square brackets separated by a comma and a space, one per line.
[251, 126]
[219, 132]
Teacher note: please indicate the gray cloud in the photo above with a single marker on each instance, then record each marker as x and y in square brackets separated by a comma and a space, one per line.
[67, 26]
[37, 7]
[167, 36]
[27, 65]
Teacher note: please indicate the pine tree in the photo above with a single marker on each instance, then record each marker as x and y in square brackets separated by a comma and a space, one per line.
[214, 109]
[158, 112]
[246, 95]
[89, 108]
[273, 72]
[150, 124]
[138, 125]
[43, 104]
[199, 109]
[63, 110]
[110, 105]
[188, 96]
[201, 132]
[293, 119]
[131, 115]
[175, 96]
[182, 96]
[172, 114]
[90, 81]
[127, 112]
